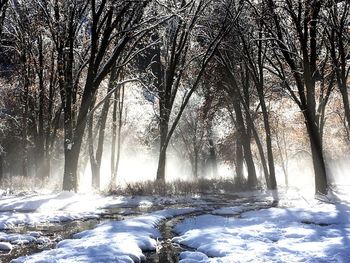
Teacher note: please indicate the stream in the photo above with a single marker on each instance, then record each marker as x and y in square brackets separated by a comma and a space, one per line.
[167, 251]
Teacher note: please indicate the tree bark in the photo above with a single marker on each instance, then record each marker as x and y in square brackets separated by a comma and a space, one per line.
[114, 140]
[164, 126]
[239, 160]
[1, 169]
[272, 184]
[120, 101]
[317, 154]
[95, 169]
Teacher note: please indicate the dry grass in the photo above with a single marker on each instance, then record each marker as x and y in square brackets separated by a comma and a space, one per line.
[180, 187]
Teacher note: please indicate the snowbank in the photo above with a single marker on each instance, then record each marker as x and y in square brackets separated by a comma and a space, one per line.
[67, 206]
[320, 233]
[114, 241]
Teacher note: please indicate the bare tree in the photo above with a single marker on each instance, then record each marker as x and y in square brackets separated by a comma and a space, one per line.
[172, 62]
[337, 21]
[112, 28]
[293, 29]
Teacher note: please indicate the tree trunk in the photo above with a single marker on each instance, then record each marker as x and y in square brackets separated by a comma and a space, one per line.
[272, 176]
[25, 131]
[114, 141]
[195, 168]
[248, 156]
[246, 140]
[70, 156]
[101, 134]
[163, 144]
[344, 94]
[284, 156]
[40, 142]
[260, 150]
[239, 161]
[73, 146]
[95, 169]
[161, 165]
[163, 148]
[70, 181]
[212, 153]
[317, 154]
[120, 100]
[1, 170]
[239, 142]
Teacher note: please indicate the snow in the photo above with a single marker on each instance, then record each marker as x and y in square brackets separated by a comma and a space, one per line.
[5, 246]
[245, 229]
[37, 209]
[21, 239]
[66, 201]
[66, 206]
[113, 241]
[236, 210]
[45, 209]
[317, 233]
[193, 257]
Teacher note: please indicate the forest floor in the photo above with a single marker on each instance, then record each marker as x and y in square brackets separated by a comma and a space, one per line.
[244, 227]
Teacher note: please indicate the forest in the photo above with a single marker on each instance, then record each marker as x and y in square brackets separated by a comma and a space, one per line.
[176, 97]
[244, 85]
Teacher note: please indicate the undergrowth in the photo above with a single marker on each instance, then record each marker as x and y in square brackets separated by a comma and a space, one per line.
[181, 187]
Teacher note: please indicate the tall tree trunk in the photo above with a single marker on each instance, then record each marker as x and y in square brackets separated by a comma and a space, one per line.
[283, 155]
[1, 169]
[247, 145]
[163, 127]
[101, 127]
[70, 180]
[161, 162]
[239, 160]
[241, 142]
[71, 152]
[114, 140]
[317, 154]
[248, 157]
[345, 98]
[272, 184]
[244, 133]
[95, 169]
[25, 123]
[40, 142]
[120, 100]
[195, 164]
[212, 152]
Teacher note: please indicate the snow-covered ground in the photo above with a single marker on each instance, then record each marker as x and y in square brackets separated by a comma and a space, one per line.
[35, 209]
[313, 231]
[300, 229]
[45, 209]
[114, 241]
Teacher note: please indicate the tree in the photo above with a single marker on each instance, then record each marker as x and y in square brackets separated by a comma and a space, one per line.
[297, 43]
[255, 64]
[173, 61]
[337, 21]
[112, 28]
[3, 7]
